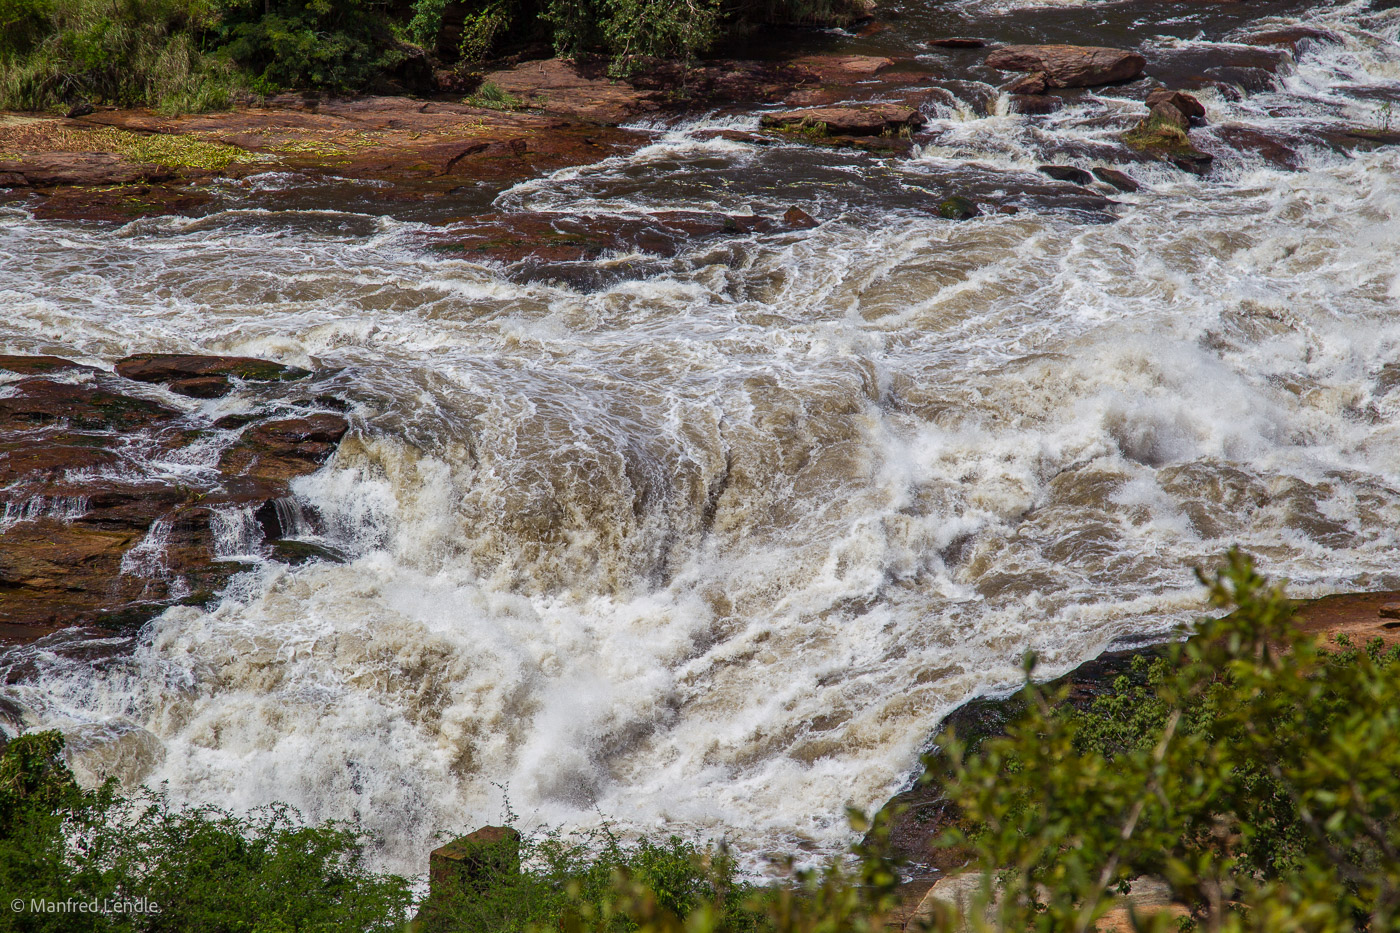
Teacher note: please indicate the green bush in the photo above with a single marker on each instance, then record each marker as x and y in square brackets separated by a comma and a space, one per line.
[207, 870]
[126, 52]
[279, 44]
[1253, 770]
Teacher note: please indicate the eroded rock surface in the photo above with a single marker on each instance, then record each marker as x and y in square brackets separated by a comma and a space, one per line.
[1070, 65]
[118, 502]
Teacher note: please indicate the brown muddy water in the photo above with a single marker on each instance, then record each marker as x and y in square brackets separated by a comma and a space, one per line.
[710, 542]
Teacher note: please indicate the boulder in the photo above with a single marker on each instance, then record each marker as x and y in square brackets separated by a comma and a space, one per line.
[203, 376]
[279, 451]
[859, 120]
[1164, 114]
[1292, 36]
[1066, 173]
[958, 207]
[40, 365]
[798, 218]
[1035, 104]
[1037, 82]
[461, 871]
[1070, 65]
[1187, 105]
[1117, 179]
[956, 42]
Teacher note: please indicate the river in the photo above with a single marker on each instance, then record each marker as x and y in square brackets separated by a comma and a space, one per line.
[708, 544]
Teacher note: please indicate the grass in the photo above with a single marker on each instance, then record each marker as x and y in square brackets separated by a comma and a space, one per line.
[492, 96]
[172, 151]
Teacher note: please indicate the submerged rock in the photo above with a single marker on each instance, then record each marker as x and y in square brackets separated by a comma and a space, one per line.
[1070, 65]
[958, 208]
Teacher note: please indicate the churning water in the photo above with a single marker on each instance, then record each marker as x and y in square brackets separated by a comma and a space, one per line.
[711, 543]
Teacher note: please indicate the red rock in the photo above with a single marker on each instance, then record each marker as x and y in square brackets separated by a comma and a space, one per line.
[279, 451]
[797, 217]
[203, 376]
[49, 169]
[1070, 65]
[39, 365]
[1066, 173]
[78, 503]
[1184, 103]
[1032, 84]
[1164, 114]
[1119, 180]
[1292, 36]
[860, 120]
[1035, 104]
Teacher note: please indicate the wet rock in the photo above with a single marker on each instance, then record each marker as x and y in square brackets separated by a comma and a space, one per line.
[279, 451]
[39, 365]
[1162, 138]
[203, 376]
[1037, 82]
[50, 169]
[1163, 114]
[80, 109]
[95, 531]
[537, 238]
[1377, 137]
[1070, 65]
[1117, 179]
[956, 43]
[1035, 104]
[1066, 173]
[798, 218]
[863, 120]
[1228, 67]
[39, 403]
[1292, 37]
[1182, 102]
[1278, 151]
[958, 208]
[296, 553]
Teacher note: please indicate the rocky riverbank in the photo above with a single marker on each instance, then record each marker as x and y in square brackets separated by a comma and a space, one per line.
[128, 491]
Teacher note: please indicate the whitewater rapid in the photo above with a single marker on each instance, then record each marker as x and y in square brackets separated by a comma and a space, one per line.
[710, 547]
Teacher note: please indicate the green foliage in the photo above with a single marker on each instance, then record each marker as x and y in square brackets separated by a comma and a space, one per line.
[125, 52]
[494, 97]
[481, 30]
[205, 869]
[629, 32]
[337, 46]
[1254, 771]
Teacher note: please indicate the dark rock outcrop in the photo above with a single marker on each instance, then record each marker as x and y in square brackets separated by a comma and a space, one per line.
[1070, 65]
[203, 376]
[1066, 173]
[862, 120]
[94, 530]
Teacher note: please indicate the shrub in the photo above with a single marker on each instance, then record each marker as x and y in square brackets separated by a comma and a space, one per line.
[126, 52]
[205, 868]
[1255, 771]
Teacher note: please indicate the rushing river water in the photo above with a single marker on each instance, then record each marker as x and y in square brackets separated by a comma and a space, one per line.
[712, 542]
